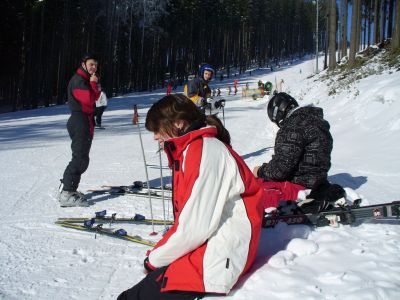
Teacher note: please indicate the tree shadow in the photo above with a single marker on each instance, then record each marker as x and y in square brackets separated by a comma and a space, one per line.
[37, 127]
[256, 153]
[98, 197]
[347, 180]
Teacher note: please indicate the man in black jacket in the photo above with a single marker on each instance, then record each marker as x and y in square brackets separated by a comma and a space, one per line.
[302, 152]
[82, 95]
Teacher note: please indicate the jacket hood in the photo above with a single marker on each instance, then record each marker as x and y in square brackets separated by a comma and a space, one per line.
[174, 147]
[306, 115]
[310, 110]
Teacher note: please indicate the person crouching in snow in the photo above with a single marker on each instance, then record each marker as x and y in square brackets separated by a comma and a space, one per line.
[217, 208]
[302, 156]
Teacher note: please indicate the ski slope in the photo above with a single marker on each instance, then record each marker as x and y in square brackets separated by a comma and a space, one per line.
[40, 260]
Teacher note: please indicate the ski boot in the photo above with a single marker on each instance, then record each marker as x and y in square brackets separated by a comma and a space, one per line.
[72, 199]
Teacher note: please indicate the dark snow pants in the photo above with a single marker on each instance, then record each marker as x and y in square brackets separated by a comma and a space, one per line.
[149, 289]
[98, 113]
[79, 131]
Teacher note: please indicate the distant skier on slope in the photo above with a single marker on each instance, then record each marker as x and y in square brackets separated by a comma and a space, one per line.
[302, 151]
[169, 88]
[198, 89]
[101, 106]
[217, 208]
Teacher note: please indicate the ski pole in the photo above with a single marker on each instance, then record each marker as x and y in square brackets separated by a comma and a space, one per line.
[162, 187]
[223, 115]
[221, 105]
[136, 120]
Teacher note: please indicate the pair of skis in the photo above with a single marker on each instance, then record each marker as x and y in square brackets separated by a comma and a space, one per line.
[96, 225]
[119, 233]
[345, 215]
[102, 217]
[138, 188]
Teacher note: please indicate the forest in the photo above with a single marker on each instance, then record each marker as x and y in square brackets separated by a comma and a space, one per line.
[142, 44]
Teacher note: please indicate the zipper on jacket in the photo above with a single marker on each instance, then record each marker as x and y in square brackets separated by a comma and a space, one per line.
[173, 193]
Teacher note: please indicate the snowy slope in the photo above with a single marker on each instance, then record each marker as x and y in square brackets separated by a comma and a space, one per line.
[39, 260]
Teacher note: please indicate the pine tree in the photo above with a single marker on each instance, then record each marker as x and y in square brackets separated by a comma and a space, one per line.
[332, 34]
[396, 32]
[353, 34]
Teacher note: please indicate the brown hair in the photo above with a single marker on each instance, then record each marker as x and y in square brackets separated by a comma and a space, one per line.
[177, 107]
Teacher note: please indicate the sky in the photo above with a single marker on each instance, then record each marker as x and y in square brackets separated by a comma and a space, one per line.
[40, 260]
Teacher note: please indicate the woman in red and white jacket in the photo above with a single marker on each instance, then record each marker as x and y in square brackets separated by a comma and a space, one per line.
[217, 208]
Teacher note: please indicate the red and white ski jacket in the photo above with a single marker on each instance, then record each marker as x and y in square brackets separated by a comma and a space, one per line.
[218, 214]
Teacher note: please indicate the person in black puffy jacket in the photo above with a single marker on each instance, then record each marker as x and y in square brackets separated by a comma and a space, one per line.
[302, 151]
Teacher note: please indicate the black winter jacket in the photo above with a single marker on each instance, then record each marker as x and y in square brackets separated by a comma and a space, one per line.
[198, 86]
[302, 149]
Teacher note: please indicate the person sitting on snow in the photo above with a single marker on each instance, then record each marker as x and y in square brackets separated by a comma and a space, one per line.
[217, 208]
[302, 153]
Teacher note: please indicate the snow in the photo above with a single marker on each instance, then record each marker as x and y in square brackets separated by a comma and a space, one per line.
[40, 260]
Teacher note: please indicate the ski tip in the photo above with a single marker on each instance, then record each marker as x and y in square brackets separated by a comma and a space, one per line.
[153, 233]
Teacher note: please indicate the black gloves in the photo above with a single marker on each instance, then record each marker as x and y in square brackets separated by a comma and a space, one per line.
[323, 197]
[262, 170]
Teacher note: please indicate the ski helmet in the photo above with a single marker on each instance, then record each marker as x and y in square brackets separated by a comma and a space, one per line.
[279, 106]
[206, 67]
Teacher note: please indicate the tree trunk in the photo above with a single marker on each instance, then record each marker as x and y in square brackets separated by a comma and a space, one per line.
[344, 27]
[326, 40]
[364, 42]
[369, 23]
[353, 35]
[390, 19]
[376, 22]
[359, 18]
[21, 78]
[40, 62]
[382, 21]
[396, 31]
[64, 52]
[332, 35]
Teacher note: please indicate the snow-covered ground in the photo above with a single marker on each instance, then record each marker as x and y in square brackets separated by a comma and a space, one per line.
[40, 260]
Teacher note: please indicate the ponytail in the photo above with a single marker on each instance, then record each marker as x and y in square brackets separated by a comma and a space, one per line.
[223, 134]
